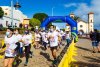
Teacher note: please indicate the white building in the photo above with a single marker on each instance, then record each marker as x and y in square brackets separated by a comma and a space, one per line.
[18, 17]
[85, 26]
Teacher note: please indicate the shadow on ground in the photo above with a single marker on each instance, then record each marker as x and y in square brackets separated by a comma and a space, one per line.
[84, 48]
[91, 59]
[46, 55]
[85, 64]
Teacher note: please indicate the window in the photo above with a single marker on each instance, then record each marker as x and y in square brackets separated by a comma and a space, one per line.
[5, 13]
[91, 21]
[81, 26]
[6, 23]
[15, 24]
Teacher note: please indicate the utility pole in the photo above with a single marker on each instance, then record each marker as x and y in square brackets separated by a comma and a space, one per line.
[53, 11]
[12, 13]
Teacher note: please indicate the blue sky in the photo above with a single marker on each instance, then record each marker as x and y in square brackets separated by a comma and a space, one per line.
[61, 8]
[30, 7]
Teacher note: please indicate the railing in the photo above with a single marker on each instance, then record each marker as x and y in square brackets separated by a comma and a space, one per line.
[68, 57]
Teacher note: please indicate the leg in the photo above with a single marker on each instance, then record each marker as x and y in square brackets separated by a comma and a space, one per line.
[26, 54]
[93, 49]
[53, 50]
[38, 44]
[11, 60]
[98, 46]
[6, 61]
[30, 52]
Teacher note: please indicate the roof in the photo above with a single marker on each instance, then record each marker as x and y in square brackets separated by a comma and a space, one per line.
[81, 20]
[71, 13]
[90, 13]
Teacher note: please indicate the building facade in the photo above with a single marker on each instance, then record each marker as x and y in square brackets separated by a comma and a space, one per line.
[84, 26]
[18, 17]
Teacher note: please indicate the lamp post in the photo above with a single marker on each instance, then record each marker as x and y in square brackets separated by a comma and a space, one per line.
[17, 5]
[53, 11]
[12, 13]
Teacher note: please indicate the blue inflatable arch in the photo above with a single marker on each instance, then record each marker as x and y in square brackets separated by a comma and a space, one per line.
[66, 19]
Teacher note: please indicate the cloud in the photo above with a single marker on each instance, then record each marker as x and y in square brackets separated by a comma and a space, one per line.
[83, 9]
[70, 5]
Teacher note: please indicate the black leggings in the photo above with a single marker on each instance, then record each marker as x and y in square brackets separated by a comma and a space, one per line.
[27, 52]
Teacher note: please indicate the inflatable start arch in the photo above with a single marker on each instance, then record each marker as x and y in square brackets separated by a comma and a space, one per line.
[66, 19]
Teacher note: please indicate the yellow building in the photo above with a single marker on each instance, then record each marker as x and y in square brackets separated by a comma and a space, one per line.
[25, 22]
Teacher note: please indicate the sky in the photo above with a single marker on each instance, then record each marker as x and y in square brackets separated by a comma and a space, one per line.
[60, 7]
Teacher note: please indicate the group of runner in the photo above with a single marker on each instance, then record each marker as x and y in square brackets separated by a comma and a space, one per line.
[15, 42]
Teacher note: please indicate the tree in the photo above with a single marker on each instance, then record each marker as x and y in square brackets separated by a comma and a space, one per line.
[76, 18]
[34, 22]
[40, 16]
[1, 13]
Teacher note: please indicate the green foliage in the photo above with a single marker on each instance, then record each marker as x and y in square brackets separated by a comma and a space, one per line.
[3, 29]
[76, 18]
[1, 13]
[40, 16]
[50, 24]
[34, 22]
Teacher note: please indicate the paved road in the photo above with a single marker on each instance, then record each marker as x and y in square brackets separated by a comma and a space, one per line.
[85, 56]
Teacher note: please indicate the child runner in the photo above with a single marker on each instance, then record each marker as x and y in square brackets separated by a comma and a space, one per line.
[26, 40]
[44, 39]
[10, 52]
[37, 39]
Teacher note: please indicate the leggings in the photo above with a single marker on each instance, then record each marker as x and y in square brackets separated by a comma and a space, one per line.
[27, 52]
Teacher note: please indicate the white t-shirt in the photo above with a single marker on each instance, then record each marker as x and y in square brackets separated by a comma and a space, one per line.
[37, 37]
[18, 38]
[26, 39]
[10, 46]
[53, 38]
[67, 36]
[44, 37]
[30, 35]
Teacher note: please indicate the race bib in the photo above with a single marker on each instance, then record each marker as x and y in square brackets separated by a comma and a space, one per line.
[52, 39]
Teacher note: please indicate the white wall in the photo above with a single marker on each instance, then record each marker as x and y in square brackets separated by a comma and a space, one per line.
[17, 15]
[84, 26]
[4, 19]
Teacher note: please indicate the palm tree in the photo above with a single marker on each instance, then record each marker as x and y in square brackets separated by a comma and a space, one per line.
[76, 18]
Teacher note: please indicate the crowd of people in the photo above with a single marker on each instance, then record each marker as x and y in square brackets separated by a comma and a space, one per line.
[19, 45]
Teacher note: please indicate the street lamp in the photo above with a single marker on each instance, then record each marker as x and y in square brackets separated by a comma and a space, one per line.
[52, 11]
[17, 5]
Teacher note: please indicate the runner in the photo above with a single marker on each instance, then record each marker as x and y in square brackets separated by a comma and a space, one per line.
[31, 41]
[37, 39]
[53, 37]
[59, 39]
[26, 40]
[19, 42]
[44, 39]
[68, 38]
[94, 39]
[10, 52]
